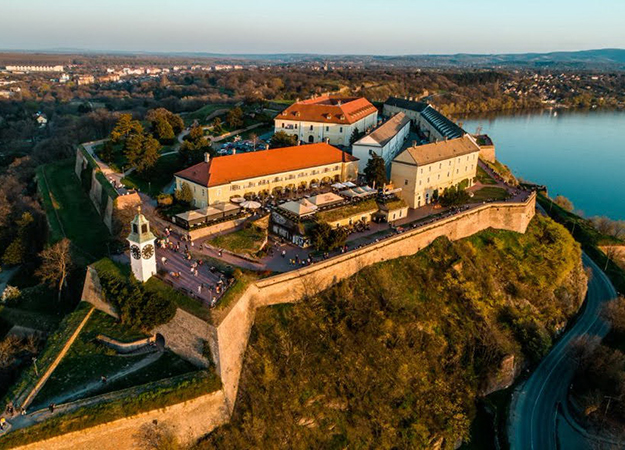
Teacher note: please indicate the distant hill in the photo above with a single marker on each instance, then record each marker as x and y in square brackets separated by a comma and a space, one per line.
[600, 59]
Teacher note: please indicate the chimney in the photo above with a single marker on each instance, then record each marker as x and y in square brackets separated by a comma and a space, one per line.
[207, 157]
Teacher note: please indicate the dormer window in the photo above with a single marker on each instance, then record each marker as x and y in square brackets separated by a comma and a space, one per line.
[135, 229]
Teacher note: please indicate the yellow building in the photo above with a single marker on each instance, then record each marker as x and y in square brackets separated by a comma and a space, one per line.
[424, 172]
[327, 119]
[221, 178]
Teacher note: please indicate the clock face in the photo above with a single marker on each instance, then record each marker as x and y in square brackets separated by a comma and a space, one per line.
[148, 251]
[135, 252]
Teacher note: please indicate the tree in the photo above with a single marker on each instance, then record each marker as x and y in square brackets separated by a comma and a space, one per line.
[163, 130]
[564, 203]
[282, 139]
[184, 194]
[56, 263]
[454, 196]
[21, 246]
[161, 115]
[217, 127]
[157, 436]
[124, 127]
[324, 237]
[107, 151]
[375, 171]
[235, 118]
[356, 134]
[142, 151]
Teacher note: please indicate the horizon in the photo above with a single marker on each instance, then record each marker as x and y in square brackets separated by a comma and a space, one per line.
[484, 27]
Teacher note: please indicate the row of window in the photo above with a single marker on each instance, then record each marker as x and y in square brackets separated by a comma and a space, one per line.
[440, 165]
[311, 128]
[236, 187]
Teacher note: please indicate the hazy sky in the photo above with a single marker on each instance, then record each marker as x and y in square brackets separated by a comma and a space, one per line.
[314, 26]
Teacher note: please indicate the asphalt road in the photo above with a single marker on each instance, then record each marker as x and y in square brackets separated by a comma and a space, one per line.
[534, 412]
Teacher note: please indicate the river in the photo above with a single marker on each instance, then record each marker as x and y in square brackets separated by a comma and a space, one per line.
[578, 154]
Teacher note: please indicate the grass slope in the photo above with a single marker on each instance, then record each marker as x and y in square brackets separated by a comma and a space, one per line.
[394, 357]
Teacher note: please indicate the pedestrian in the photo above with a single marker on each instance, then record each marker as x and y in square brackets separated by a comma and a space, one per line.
[199, 289]
[103, 379]
[51, 407]
[23, 412]
[192, 245]
[164, 260]
[3, 423]
[283, 253]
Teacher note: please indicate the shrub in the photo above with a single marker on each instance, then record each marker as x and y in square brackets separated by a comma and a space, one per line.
[164, 200]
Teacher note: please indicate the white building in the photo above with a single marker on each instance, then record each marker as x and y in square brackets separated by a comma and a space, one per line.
[385, 141]
[424, 172]
[34, 68]
[327, 119]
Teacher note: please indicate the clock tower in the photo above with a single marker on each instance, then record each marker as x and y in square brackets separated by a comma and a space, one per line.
[142, 251]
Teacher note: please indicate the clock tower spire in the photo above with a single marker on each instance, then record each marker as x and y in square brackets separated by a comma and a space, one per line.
[142, 251]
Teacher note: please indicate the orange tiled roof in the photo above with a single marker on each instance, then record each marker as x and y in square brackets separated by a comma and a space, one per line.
[341, 110]
[242, 166]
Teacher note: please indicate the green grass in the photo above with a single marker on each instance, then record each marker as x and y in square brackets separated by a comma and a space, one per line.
[181, 300]
[55, 226]
[344, 212]
[245, 241]
[132, 401]
[203, 112]
[53, 346]
[589, 237]
[63, 196]
[489, 193]
[30, 319]
[154, 181]
[483, 176]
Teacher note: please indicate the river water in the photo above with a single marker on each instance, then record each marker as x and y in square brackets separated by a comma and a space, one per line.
[578, 154]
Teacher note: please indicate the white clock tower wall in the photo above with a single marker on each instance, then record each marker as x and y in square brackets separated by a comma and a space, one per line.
[142, 250]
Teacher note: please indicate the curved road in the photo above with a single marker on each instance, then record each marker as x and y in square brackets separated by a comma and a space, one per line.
[535, 411]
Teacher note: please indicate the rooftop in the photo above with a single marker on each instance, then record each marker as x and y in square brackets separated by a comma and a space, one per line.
[340, 110]
[438, 151]
[243, 166]
[406, 104]
[441, 123]
[385, 132]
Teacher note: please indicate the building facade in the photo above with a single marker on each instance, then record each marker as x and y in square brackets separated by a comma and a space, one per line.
[386, 141]
[327, 119]
[218, 179]
[424, 172]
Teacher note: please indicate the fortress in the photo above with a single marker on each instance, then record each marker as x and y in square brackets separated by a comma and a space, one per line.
[228, 337]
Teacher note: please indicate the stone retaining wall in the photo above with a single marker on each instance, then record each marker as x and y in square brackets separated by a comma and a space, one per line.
[228, 339]
[125, 347]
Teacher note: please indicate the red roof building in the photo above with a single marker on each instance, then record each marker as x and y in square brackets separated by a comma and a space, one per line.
[327, 119]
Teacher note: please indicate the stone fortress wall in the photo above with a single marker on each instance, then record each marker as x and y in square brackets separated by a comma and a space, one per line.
[229, 338]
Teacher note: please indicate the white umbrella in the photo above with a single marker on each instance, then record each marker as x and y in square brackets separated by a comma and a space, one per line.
[250, 204]
[237, 199]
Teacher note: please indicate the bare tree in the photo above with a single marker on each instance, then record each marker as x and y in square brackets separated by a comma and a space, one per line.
[56, 263]
[157, 436]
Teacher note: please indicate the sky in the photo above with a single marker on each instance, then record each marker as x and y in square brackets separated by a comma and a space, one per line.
[381, 27]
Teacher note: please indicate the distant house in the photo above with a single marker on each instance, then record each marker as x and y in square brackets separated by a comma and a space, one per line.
[385, 141]
[218, 179]
[327, 119]
[424, 172]
[41, 119]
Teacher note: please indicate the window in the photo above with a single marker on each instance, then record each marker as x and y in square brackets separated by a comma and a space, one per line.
[134, 228]
[439, 176]
[341, 130]
[421, 170]
[440, 166]
[282, 124]
[405, 182]
[311, 128]
[296, 126]
[429, 168]
[144, 228]
[327, 128]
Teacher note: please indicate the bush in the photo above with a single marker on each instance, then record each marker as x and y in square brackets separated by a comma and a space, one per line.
[164, 200]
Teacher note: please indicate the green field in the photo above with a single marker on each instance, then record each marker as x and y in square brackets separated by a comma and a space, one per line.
[247, 240]
[203, 112]
[88, 360]
[483, 177]
[489, 193]
[70, 211]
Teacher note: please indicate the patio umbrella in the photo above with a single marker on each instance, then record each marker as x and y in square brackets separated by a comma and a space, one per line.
[250, 204]
[237, 199]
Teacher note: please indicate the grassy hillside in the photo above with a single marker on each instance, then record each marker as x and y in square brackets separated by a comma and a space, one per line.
[395, 356]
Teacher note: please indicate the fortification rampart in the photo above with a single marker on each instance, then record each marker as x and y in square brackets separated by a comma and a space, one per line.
[228, 339]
